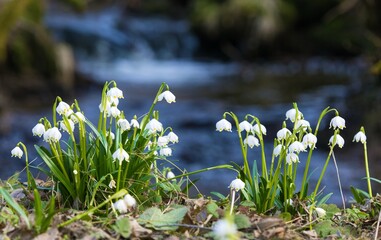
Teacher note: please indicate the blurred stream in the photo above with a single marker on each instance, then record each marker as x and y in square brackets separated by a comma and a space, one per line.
[140, 53]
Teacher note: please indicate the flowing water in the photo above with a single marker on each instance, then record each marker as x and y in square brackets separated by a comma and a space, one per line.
[140, 53]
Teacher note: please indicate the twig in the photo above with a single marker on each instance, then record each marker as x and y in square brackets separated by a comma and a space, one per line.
[338, 178]
[378, 226]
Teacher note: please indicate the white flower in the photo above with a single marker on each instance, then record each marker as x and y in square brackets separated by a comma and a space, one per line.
[112, 184]
[237, 185]
[162, 141]
[120, 154]
[129, 200]
[289, 201]
[111, 134]
[75, 172]
[296, 147]
[124, 124]
[224, 229]
[172, 137]
[320, 212]
[105, 106]
[337, 122]
[114, 94]
[360, 137]
[168, 96]
[277, 150]
[65, 127]
[17, 152]
[251, 141]
[64, 109]
[135, 123]
[121, 206]
[302, 124]
[292, 158]
[165, 152]
[283, 134]
[256, 129]
[170, 175]
[113, 111]
[309, 140]
[52, 135]
[223, 124]
[291, 114]
[154, 126]
[245, 126]
[38, 130]
[76, 116]
[339, 140]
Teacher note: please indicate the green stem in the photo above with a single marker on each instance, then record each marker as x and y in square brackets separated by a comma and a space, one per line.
[118, 194]
[322, 173]
[367, 171]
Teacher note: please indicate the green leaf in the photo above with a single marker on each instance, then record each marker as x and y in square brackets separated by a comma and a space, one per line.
[286, 216]
[219, 195]
[11, 202]
[123, 227]
[331, 209]
[155, 218]
[212, 208]
[39, 215]
[325, 228]
[242, 221]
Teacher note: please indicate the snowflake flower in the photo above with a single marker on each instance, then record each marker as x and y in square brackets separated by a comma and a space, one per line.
[168, 96]
[251, 141]
[337, 122]
[291, 114]
[223, 124]
[17, 152]
[38, 130]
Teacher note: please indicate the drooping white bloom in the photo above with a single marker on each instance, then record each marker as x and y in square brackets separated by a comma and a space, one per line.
[112, 184]
[170, 175]
[52, 135]
[256, 129]
[168, 96]
[291, 114]
[105, 106]
[65, 127]
[17, 152]
[309, 140]
[223, 124]
[162, 141]
[120, 154]
[296, 147]
[237, 185]
[302, 124]
[111, 134]
[339, 140]
[124, 124]
[165, 152]
[224, 229]
[76, 116]
[320, 212]
[154, 126]
[38, 130]
[135, 123]
[283, 134]
[113, 111]
[360, 137]
[121, 206]
[292, 158]
[245, 126]
[75, 172]
[64, 109]
[251, 141]
[114, 94]
[290, 201]
[172, 137]
[277, 150]
[130, 201]
[337, 122]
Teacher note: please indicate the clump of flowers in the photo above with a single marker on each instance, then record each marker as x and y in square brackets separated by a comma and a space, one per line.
[274, 186]
[89, 163]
